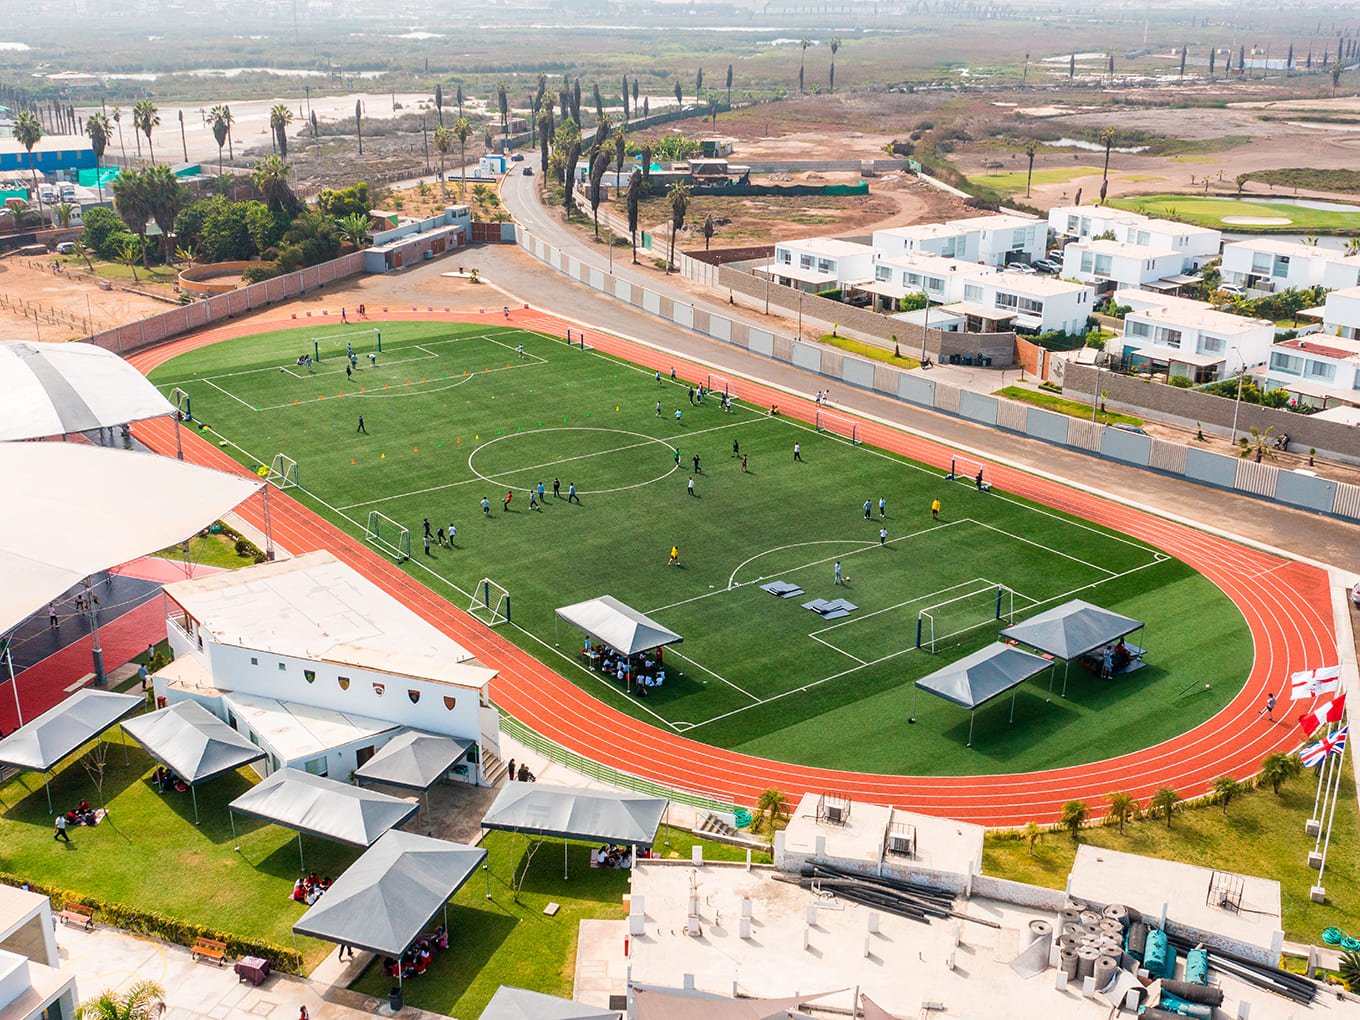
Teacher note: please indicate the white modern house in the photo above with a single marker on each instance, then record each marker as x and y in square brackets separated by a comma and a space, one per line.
[819, 263]
[1320, 370]
[1342, 273]
[1004, 239]
[1267, 265]
[32, 984]
[320, 667]
[1341, 313]
[1038, 303]
[1083, 222]
[1178, 336]
[948, 240]
[1109, 265]
[1197, 245]
[940, 279]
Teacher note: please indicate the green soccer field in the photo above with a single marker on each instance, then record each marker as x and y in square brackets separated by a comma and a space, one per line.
[457, 413]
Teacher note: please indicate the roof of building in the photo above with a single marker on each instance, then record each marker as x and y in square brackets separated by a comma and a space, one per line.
[298, 732]
[999, 221]
[792, 272]
[48, 143]
[1132, 251]
[315, 607]
[1175, 227]
[1185, 312]
[941, 264]
[1104, 212]
[922, 231]
[1277, 247]
[1324, 346]
[832, 247]
[1035, 284]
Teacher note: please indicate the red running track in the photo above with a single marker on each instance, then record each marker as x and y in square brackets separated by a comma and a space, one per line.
[1286, 604]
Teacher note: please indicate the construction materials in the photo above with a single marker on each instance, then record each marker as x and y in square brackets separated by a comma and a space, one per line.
[1272, 979]
[1118, 912]
[1204, 994]
[1068, 963]
[1137, 940]
[1159, 957]
[1105, 969]
[1197, 966]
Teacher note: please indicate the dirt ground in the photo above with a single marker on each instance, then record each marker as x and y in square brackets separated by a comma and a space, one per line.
[37, 304]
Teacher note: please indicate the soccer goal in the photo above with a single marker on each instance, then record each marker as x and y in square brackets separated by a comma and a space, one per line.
[838, 425]
[947, 623]
[969, 472]
[183, 407]
[283, 472]
[338, 345]
[720, 384]
[490, 603]
[388, 535]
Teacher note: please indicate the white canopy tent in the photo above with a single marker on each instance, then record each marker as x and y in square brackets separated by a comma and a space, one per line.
[51, 537]
[510, 1003]
[622, 627]
[55, 389]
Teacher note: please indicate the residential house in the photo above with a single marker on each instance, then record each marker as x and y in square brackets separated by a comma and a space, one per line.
[1342, 273]
[1318, 370]
[32, 985]
[947, 240]
[1084, 222]
[1038, 304]
[320, 667]
[1003, 240]
[1115, 264]
[1178, 336]
[1197, 245]
[940, 279]
[819, 263]
[1268, 265]
[1341, 313]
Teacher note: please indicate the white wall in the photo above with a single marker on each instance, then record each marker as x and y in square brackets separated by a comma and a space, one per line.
[1125, 270]
[1342, 317]
[1338, 275]
[1304, 268]
[1013, 244]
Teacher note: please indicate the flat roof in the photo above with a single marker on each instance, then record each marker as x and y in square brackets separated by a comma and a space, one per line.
[315, 607]
[1136, 251]
[1103, 212]
[1034, 283]
[981, 311]
[941, 264]
[1176, 227]
[921, 231]
[1313, 389]
[1175, 357]
[39, 986]
[1325, 346]
[302, 731]
[1000, 221]
[48, 143]
[832, 247]
[415, 235]
[1199, 315]
[1278, 247]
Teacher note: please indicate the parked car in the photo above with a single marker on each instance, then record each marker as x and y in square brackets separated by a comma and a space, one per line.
[66, 248]
[527, 171]
[1022, 267]
[518, 157]
[1048, 266]
[1231, 288]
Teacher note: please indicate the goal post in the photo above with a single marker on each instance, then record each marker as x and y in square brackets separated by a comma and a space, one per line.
[183, 405]
[969, 472]
[837, 425]
[719, 384]
[490, 603]
[283, 472]
[948, 623]
[387, 535]
[338, 345]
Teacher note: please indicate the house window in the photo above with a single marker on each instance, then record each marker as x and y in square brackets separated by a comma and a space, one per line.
[283, 667]
[1260, 262]
[826, 266]
[315, 767]
[414, 695]
[254, 661]
[972, 292]
[882, 273]
[309, 675]
[1004, 300]
[1088, 262]
[1281, 266]
[1134, 328]
[1212, 345]
[1031, 306]
[786, 257]
[1287, 363]
[950, 247]
[1321, 370]
[804, 261]
[1168, 337]
[934, 283]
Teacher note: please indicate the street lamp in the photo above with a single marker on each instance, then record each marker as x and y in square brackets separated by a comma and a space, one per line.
[925, 327]
[800, 314]
[1237, 404]
[1095, 397]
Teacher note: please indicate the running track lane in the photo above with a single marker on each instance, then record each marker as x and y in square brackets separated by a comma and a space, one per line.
[1286, 605]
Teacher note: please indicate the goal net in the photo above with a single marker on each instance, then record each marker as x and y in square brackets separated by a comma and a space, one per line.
[388, 535]
[490, 603]
[339, 345]
[283, 472]
[969, 472]
[183, 407]
[838, 425]
[949, 623]
[720, 384]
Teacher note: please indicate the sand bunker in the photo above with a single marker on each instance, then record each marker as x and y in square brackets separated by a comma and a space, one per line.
[1257, 221]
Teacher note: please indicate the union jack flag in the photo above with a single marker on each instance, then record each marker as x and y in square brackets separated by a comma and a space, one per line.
[1333, 743]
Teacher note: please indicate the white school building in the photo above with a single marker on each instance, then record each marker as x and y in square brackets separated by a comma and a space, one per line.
[320, 667]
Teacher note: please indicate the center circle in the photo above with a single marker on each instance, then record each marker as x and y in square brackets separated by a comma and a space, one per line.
[635, 447]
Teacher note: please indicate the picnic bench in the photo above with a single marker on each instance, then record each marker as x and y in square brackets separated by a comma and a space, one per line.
[210, 948]
[79, 915]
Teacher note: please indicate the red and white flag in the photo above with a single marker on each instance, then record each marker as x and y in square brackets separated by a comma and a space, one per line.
[1328, 713]
[1312, 682]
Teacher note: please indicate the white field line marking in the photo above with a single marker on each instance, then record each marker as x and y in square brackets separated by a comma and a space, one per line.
[227, 393]
[1045, 548]
[717, 676]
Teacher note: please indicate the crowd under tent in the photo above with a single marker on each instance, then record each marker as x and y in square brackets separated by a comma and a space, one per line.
[521, 1004]
[414, 760]
[1072, 630]
[976, 679]
[192, 743]
[607, 620]
[385, 899]
[58, 389]
[571, 812]
[42, 743]
[316, 806]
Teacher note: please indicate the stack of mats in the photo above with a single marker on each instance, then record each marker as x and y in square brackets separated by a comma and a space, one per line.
[831, 610]
[782, 589]
[1089, 943]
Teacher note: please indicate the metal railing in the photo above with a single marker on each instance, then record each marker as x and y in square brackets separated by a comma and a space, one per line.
[554, 752]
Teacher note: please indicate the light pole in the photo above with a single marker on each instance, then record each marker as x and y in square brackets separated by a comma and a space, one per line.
[800, 314]
[768, 277]
[1095, 397]
[1237, 404]
[925, 328]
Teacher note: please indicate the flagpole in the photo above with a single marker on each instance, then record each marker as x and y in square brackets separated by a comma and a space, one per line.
[1323, 864]
[1324, 783]
[1323, 771]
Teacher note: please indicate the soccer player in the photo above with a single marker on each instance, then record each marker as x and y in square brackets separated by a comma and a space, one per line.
[453, 533]
[743, 464]
[838, 573]
[349, 371]
[868, 509]
[426, 524]
[935, 509]
[882, 506]
[557, 489]
[676, 452]
[675, 556]
[691, 396]
[520, 349]
[691, 485]
[540, 494]
[736, 448]
[427, 545]
[372, 360]
[882, 536]
[658, 409]
[361, 426]
[349, 349]
[658, 377]
[798, 451]
[533, 499]
[979, 480]
[506, 311]
[439, 538]
[505, 503]
[677, 416]
[697, 469]
[486, 507]
[571, 493]
[343, 317]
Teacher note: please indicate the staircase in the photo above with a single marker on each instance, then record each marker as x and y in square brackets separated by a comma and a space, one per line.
[493, 769]
[712, 825]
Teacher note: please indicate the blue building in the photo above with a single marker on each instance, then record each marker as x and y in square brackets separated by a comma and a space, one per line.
[52, 154]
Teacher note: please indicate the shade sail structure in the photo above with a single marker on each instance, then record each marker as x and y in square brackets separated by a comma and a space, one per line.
[570, 812]
[622, 627]
[50, 534]
[40, 744]
[654, 1003]
[322, 807]
[54, 389]
[413, 760]
[1072, 629]
[192, 742]
[521, 1004]
[976, 679]
[386, 898]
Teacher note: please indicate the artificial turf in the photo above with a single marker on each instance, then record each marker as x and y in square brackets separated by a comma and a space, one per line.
[1210, 212]
[454, 413]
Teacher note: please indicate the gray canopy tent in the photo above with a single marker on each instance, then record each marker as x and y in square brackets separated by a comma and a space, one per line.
[617, 625]
[570, 812]
[192, 743]
[322, 807]
[1072, 630]
[384, 900]
[414, 761]
[978, 678]
[40, 744]
[521, 1004]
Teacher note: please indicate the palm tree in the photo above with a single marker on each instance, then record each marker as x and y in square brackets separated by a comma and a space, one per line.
[97, 127]
[1353, 246]
[270, 178]
[221, 128]
[545, 131]
[142, 1001]
[698, 84]
[831, 79]
[132, 250]
[1122, 807]
[133, 201]
[61, 214]
[230, 121]
[620, 154]
[146, 118]
[679, 196]
[1225, 789]
[28, 132]
[1030, 149]
[503, 104]
[458, 98]
[1336, 76]
[462, 130]
[804, 43]
[1164, 802]
[279, 119]
[679, 95]
[1107, 139]
[443, 142]
[770, 806]
[633, 200]
[1279, 768]
[359, 123]
[709, 230]
[1032, 835]
[729, 86]
[83, 251]
[354, 227]
[1074, 814]
[117, 118]
[598, 166]
[165, 197]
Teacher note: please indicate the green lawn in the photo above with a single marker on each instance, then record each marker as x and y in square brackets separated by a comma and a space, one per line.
[1013, 181]
[1261, 835]
[1209, 212]
[149, 854]
[453, 414]
[158, 274]
[871, 351]
[1061, 405]
[209, 551]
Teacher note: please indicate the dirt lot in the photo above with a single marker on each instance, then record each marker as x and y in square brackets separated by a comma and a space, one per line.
[37, 304]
